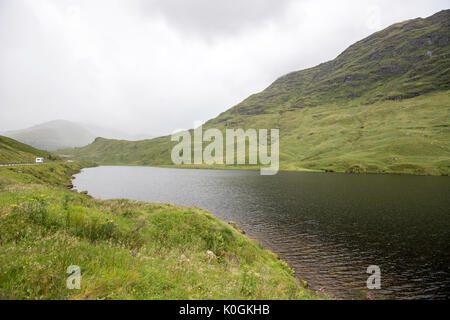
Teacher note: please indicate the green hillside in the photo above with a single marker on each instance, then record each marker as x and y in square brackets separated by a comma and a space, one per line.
[12, 151]
[381, 106]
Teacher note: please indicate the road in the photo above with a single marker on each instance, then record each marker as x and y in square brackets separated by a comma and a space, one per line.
[19, 164]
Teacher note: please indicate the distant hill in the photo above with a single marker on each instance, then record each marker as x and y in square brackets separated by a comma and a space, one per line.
[12, 151]
[383, 105]
[62, 134]
[53, 135]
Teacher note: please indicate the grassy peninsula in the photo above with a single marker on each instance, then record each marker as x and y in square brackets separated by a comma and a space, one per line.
[125, 249]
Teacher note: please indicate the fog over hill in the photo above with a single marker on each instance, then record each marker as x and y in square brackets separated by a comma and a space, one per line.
[63, 134]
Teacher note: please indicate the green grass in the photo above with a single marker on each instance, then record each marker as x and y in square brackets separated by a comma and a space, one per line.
[410, 136]
[125, 249]
[382, 106]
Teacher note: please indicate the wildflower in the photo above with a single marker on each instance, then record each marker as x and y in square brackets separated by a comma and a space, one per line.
[14, 205]
[245, 266]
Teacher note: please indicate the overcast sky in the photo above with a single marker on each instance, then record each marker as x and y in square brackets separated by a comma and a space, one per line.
[154, 66]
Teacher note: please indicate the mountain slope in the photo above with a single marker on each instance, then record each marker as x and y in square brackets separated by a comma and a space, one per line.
[403, 61]
[12, 151]
[383, 105]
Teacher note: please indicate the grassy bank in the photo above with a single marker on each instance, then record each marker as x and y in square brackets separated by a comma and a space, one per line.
[125, 249]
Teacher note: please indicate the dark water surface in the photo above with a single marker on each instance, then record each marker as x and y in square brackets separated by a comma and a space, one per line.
[328, 227]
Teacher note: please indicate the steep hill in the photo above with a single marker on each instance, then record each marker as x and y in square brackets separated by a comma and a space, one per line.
[383, 105]
[12, 151]
[405, 60]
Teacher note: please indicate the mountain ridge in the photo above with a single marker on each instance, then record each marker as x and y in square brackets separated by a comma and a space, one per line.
[316, 81]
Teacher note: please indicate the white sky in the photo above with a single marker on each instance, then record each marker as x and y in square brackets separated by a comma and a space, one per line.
[154, 66]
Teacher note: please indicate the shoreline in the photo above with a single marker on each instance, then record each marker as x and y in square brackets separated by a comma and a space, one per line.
[232, 224]
[253, 168]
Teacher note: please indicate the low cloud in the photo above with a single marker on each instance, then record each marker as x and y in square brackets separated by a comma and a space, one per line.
[217, 18]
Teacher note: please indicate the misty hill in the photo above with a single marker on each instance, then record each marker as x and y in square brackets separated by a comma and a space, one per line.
[62, 134]
[53, 135]
[12, 151]
[380, 106]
